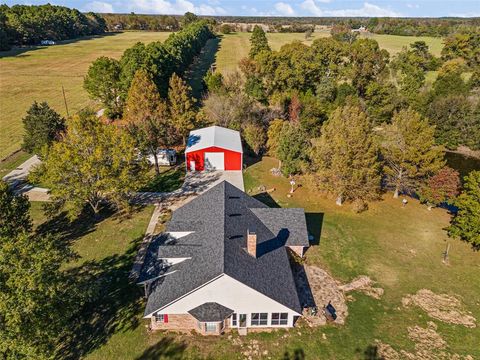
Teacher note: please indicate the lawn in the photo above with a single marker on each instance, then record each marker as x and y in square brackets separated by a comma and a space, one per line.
[400, 248]
[170, 179]
[39, 73]
[394, 43]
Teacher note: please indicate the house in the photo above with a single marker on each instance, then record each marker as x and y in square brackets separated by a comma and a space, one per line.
[214, 148]
[223, 264]
[166, 157]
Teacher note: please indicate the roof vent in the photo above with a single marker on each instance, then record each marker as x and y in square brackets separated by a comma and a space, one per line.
[234, 197]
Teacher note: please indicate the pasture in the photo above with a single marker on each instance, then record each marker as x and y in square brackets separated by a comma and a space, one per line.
[38, 73]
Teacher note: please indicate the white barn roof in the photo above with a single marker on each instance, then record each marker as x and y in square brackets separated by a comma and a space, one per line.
[214, 136]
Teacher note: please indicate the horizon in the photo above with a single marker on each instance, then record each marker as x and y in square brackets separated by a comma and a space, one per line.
[275, 8]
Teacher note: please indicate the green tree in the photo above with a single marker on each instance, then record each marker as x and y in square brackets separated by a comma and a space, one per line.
[102, 83]
[188, 18]
[408, 148]
[466, 223]
[147, 117]
[382, 100]
[258, 42]
[214, 82]
[292, 149]
[346, 156]
[273, 136]
[42, 126]
[33, 305]
[367, 62]
[95, 163]
[255, 137]
[182, 106]
[343, 33]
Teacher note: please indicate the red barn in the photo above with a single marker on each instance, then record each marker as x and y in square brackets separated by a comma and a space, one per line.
[214, 148]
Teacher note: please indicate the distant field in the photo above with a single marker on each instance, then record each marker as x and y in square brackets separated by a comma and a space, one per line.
[234, 47]
[39, 73]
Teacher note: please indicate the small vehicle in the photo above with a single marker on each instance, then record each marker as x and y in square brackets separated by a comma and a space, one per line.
[166, 157]
[330, 312]
[47, 42]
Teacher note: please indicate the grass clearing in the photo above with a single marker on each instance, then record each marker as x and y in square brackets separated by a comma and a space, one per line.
[12, 162]
[38, 73]
[395, 43]
[170, 179]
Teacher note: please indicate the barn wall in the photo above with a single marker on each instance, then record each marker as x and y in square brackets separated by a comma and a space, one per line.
[233, 160]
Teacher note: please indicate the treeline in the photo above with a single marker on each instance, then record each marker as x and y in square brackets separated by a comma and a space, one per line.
[116, 22]
[108, 80]
[393, 26]
[420, 27]
[30, 24]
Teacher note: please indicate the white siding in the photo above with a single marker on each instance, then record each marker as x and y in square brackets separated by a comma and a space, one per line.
[232, 294]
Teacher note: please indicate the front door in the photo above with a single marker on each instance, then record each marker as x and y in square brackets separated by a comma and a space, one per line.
[242, 320]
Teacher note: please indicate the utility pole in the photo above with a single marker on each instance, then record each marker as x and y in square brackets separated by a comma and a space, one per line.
[65, 100]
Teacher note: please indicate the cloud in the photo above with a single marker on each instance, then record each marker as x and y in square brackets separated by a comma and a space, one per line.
[98, 6]
[284, 9]
[176, 7]
[367, 10]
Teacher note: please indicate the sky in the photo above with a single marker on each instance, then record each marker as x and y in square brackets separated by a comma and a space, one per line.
[392, 8]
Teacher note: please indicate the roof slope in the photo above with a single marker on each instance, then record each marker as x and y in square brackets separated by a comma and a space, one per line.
[220, 219]
[210, 311]
[214, 136]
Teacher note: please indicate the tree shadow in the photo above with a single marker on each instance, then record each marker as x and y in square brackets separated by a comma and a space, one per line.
[314, 226]
[22, 50]
[249, 159]
[370, 353]
[298, 354]
[104, 303]
[200, 67]
[166, 348]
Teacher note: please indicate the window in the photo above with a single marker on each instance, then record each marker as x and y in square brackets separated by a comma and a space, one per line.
[234, 319]
[163, 318]
[210, 327]
[259, 319]
[279, 319]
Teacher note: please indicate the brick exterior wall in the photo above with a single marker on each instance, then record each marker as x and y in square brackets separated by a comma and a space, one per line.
[181, 322]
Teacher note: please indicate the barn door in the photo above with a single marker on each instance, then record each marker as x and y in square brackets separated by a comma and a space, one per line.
[214, 161]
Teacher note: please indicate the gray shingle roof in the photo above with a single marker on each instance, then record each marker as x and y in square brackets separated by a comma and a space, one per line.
[210, 311]
[220, 219]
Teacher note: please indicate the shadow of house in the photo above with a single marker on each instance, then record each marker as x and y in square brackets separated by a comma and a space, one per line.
[267, 199]
[314, 226]
[298, 354]
[167, 348]
[270, 245]
[370, 353]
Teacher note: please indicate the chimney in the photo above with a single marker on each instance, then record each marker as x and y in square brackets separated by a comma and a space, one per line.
[252, 243]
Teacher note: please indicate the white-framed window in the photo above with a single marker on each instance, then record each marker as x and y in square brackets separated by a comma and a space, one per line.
[234, 319]
[210, 327]
[279, 319]
[259, 319]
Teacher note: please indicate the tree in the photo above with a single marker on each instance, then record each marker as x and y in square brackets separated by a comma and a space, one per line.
[32, 285]
[95, 163]
[408, 148]
[367, 62]
[466, 223]
[147, 117]
[182, 106]
[343, 33]
[273, 136]
[382, 101]
[42, 126]
[188, 18]
[14, 217]
[258, 42]
[102, 82]
[346, 156]
[441, 188]
[292, 149]
[255, 137]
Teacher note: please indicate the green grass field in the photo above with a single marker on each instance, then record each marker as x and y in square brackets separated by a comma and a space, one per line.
[400, 248]
[39, 73]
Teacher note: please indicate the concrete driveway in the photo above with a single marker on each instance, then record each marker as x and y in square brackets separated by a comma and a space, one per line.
[201, 181]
